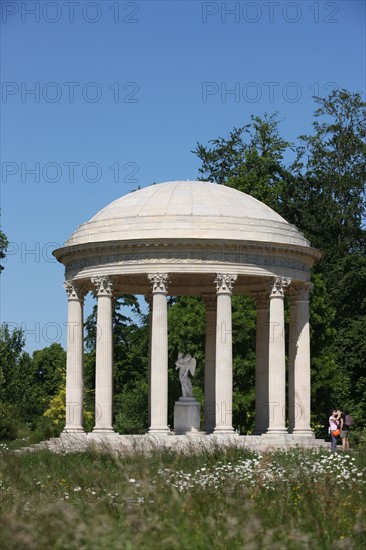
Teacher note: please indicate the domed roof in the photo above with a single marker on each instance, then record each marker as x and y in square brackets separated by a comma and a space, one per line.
[187, 210]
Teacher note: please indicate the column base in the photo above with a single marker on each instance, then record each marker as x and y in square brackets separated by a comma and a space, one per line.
[224, 431]
[73, 430]
[191, 433]
[159, 430]
[276, 431]
[104, 431]
[303, 433]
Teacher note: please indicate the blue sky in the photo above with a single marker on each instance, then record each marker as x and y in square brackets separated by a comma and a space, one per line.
[122, 91]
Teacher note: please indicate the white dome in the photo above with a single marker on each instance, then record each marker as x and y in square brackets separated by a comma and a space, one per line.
[187, 210]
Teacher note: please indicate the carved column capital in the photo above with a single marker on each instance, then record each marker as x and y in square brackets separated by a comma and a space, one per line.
[103, 285]
[159, 282]
[225, 282]
[300, 292]
[278, 286]
[74, 290]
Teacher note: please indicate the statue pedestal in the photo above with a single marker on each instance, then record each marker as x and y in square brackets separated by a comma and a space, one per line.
[187, 417]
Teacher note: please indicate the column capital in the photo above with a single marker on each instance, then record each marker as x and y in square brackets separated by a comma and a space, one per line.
[300, 292]
[225, 282]
[159, 282]
[262, 300]
[278, 286]
[103, 285]
[74, 290]
[210, 301]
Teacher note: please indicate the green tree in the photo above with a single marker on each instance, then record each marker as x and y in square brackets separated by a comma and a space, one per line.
[3, 247]
[11, 350]
[49, 371]
[322, 191]
[250, 160]
[332, 163]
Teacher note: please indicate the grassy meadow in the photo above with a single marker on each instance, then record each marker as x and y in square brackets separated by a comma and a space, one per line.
[228, 499]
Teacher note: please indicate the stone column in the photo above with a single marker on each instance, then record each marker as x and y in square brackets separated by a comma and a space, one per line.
[276, 361]
[149, 300]
[75, 356]
[261, 365]
[104, 357]
[210, 354]
[299, 361]
[224, 355]
[159, 355]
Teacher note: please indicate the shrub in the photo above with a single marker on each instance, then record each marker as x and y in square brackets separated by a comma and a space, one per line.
[44, 429]
[9, 422]
[132, 415]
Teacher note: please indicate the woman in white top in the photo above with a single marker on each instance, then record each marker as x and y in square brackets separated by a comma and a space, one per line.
[333, 426]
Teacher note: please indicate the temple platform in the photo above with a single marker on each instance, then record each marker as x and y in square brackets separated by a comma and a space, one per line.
[129, 444]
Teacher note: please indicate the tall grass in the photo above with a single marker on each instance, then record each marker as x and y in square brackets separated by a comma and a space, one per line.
[228, 499]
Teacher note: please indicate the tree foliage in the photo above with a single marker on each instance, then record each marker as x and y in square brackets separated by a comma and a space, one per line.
[322, 192]
[28, 383]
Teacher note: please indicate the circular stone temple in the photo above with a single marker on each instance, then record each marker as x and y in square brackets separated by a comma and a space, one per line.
[203, 239]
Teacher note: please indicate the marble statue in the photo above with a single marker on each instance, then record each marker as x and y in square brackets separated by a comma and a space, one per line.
[186, 364]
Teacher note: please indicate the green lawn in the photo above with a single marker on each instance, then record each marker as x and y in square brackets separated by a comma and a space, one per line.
[227, 499]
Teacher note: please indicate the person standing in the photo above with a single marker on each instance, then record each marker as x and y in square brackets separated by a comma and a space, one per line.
[333, 427]
[347, 422]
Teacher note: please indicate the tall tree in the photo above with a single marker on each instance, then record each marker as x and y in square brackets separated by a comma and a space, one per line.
[332, 165]
[250, 160]
[323, 193]
[332, 162]
[11, 350]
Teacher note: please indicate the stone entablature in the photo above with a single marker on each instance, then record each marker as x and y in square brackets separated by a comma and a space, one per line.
[140, 257]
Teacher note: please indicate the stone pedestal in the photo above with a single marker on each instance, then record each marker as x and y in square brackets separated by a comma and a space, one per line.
[187, 416]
